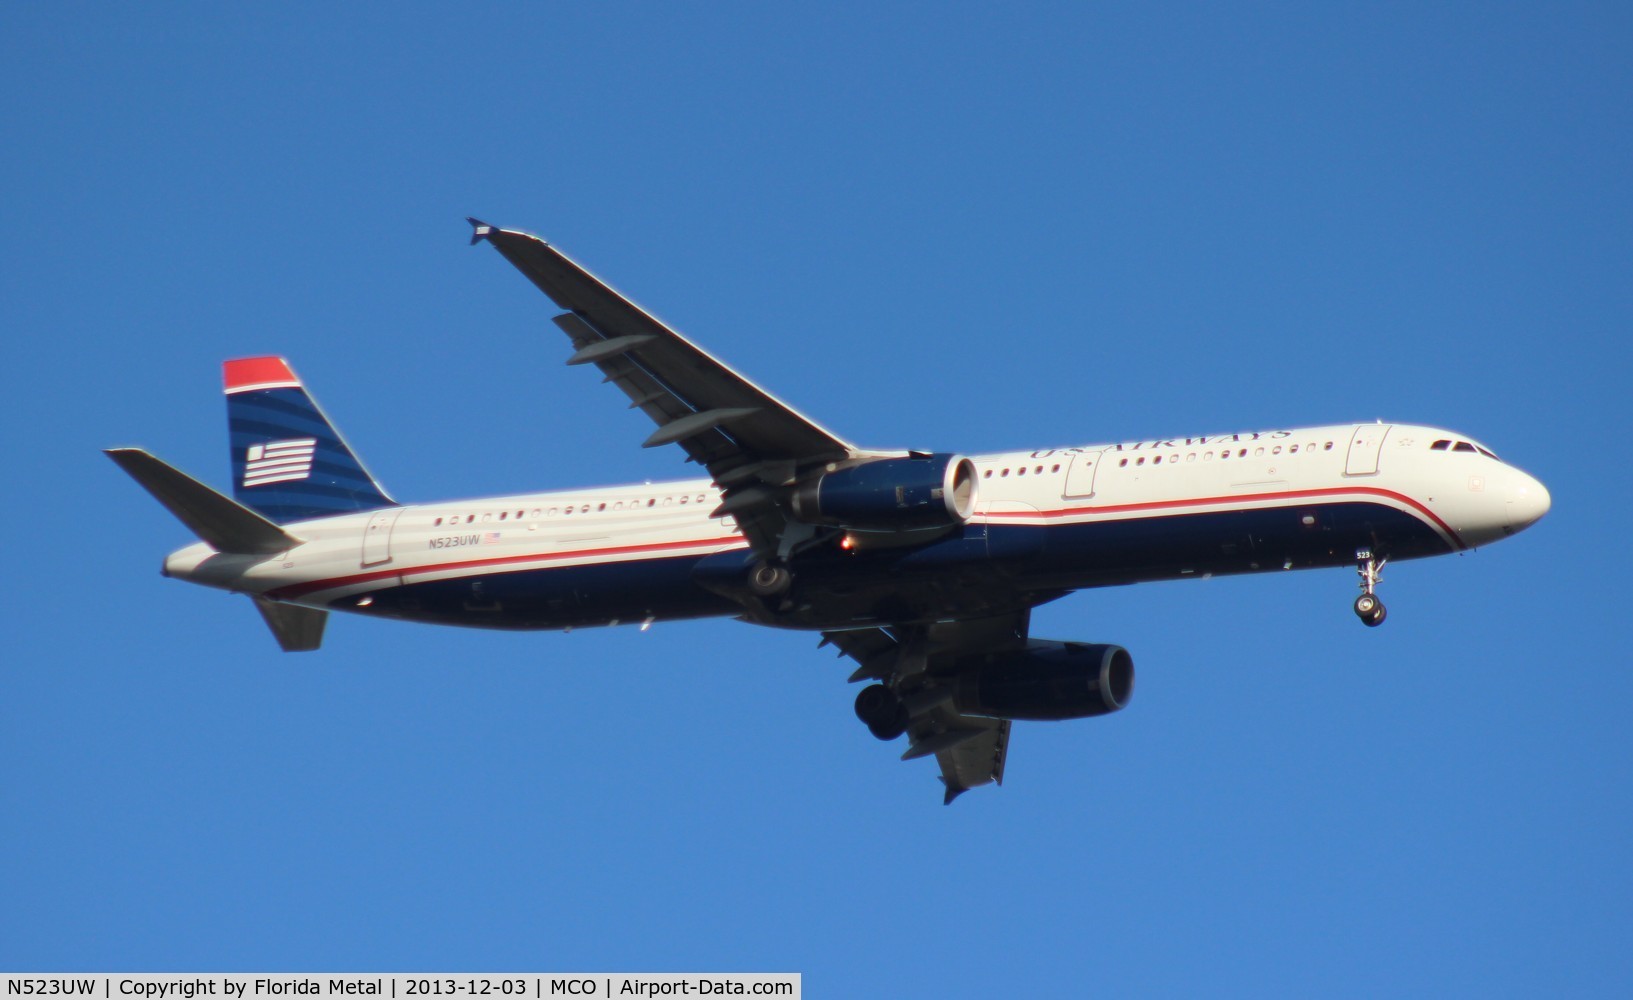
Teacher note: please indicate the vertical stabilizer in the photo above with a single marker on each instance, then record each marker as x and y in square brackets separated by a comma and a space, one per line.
[288, 461]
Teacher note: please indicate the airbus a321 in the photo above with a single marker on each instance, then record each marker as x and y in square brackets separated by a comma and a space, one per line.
[921, 567]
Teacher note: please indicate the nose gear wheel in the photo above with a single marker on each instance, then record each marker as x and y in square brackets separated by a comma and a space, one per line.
[1368, 607]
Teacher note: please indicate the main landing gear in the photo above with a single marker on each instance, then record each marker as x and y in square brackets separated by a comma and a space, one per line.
[881, 711]
[1368, 607]
[769, 579]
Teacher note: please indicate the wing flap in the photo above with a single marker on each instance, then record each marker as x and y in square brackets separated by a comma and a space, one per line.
[971, 750]
[943, 741]
[626, 331]
[752, 443]
[694, 424]
[976, 761]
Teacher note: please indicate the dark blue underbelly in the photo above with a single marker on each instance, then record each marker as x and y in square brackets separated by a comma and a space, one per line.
[979, 570]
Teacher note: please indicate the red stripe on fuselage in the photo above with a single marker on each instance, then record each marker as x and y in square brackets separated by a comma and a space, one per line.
[297, 590]
[1213, 501]
[301, 589]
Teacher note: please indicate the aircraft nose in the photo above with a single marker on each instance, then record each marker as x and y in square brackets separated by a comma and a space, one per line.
[1527, 499]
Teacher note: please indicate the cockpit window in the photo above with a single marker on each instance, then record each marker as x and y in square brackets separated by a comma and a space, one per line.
[1447, 445]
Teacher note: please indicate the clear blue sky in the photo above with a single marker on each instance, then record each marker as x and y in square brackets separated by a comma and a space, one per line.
[963, 227]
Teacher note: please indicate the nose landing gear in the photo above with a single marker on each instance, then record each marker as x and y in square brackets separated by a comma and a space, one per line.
[1368, 607]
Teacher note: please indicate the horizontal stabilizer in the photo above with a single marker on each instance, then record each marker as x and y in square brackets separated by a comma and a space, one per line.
[297, 629]
[226, 525]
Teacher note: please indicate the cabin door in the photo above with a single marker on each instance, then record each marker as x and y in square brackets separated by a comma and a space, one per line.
[377, 536]
[1080, 477]
[1364, 446]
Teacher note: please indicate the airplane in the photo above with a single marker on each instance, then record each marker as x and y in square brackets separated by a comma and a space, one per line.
[922, 567]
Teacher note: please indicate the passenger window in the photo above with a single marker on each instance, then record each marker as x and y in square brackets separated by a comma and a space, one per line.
[1157, 460]
[1021, 471]
[1258, 452]
[535, 512]
[1327, 447]
[987, 474]
[1190, 456]
[1004, 474]
[437, 523]
[470, 518]
[1123, 464]
[504, 515]
[1055, 469]
[1038, 471]
[1293, 450]
[1141, 460]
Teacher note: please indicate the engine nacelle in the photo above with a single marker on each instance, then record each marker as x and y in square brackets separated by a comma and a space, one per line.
[1046, 680]
[891, 494]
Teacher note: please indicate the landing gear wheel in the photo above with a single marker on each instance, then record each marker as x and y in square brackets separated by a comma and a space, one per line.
[1368, 608]
[881, 711]
[769, 579]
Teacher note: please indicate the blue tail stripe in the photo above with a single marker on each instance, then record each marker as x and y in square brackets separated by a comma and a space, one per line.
[288, 461]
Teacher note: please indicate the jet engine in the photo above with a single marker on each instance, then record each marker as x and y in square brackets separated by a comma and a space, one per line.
[891, 494]
[1046, 680]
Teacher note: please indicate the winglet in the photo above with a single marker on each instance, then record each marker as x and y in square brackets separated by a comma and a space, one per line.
[479, 230]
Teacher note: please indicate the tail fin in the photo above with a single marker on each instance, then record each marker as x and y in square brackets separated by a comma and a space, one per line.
[288, 461]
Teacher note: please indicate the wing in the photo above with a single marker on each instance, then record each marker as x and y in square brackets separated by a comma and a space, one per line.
[752, 443]
[910, 660]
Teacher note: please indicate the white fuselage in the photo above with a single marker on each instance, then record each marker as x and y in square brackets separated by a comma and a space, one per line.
[1288, 481]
